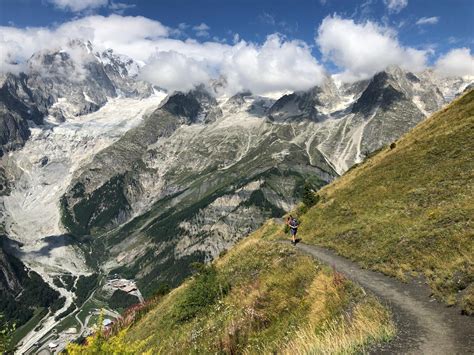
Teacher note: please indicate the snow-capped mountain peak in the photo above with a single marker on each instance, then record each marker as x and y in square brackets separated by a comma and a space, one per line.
[76, 79]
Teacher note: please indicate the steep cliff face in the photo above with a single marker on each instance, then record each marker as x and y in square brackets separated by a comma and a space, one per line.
[314, 104]
[63, 83]
[16, 109]
[351, 120]
[9, 281]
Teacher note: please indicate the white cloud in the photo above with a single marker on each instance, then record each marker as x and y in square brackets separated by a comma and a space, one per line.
[267, 18]
[202, 30]
[236, 38]
[183, 26]
[395, 6]
[428, 20]
[363, 49]
[457, 62]
[120, 7]
[138, 41]
[78, 5]
[201, 27]
[175, 71]
[134, 36]
[275, 65]
[278, 64]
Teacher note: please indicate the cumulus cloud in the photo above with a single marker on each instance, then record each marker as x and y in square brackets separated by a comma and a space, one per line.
[457, 62]
[120, 7]
[78, 5]
[395, 6]
[363, 49]
[19, 44]
[276, 65]
[428, 20]
[202, 30]
[175, 71]
[138, 41]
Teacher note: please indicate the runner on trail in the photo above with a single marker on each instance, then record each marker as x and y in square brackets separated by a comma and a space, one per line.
[293, 224]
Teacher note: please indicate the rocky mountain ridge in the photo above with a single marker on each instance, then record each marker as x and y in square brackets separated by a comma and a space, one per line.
[146, 184]
[170, 199]
[61, 84]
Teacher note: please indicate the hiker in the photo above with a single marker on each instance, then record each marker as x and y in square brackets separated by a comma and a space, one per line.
[293, 224]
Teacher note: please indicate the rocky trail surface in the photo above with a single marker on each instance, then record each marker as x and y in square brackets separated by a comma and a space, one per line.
[424, 326]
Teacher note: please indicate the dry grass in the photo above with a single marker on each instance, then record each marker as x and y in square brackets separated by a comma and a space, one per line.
[360, 324]
[408, 211]
[279, 301]
[347, 334]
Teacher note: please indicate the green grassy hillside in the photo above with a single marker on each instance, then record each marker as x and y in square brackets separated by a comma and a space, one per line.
[405, 211]
[409, 210]
[264, 297]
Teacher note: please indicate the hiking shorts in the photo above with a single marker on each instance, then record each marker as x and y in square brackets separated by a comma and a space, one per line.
[293, 231]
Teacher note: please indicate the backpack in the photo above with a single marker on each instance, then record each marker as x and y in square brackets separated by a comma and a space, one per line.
[294, 223]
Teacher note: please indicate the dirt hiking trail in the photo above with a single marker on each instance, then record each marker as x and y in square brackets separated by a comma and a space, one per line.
[424, 326]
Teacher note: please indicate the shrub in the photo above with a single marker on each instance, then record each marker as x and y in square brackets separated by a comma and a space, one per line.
[162, 289]
[205, 290]
[101, 343]
[393, 145]
[121, 300]
[310, 198]
[6, 331]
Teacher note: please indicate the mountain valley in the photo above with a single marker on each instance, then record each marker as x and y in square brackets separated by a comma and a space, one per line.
[102, 173]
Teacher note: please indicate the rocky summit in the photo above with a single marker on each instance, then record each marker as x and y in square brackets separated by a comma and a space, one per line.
[61, 84]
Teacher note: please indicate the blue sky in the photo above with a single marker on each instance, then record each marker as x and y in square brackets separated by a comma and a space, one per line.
[254, 20]
[414, 34]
